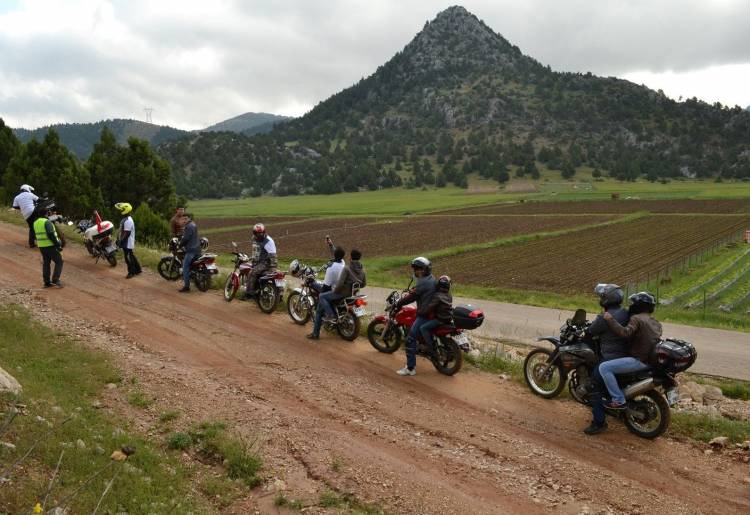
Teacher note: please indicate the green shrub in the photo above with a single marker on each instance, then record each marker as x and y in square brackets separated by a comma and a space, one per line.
[151, 229]
[179, 441]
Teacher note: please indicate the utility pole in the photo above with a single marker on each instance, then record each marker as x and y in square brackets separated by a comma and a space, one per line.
[148, 111]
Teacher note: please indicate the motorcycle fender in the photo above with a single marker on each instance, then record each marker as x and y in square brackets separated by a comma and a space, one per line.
[297, 290]
[380, 318]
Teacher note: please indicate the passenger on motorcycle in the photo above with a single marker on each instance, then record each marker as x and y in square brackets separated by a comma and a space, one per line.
[264, 258]
[644, 332]
[422, 294]
[333, 272]
[439, 310]
[190, 241]
[611, 347]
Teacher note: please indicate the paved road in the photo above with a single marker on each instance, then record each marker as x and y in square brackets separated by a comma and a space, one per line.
[720, 352]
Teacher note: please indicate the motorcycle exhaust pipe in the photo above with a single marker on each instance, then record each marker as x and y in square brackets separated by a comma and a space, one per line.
[638, 388]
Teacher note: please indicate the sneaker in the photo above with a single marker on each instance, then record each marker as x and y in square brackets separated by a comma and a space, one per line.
[595, 428]
[313, 336]
[406, 371]
[57, 284]
[615, 405]
[129, 276]
[47, 285]
[184, 289]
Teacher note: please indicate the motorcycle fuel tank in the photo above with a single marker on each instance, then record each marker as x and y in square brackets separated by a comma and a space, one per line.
[406, 315]
[577, 353]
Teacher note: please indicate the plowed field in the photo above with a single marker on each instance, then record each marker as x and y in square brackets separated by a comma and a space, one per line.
[574, 262]
[218, 223]
[418, 235]
[614, 207]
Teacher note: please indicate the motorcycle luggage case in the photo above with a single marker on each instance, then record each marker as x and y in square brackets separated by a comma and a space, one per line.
[467, 317]
[675, 356]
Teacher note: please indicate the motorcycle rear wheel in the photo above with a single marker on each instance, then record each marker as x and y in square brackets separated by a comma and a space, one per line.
[299, 308]
[553, 381]
[388, 343]
[169, 269]
[202, 280]
[448, 357]
[231, 286]
[112, 260]
[268, 298]
[652, 403]
[348, 326]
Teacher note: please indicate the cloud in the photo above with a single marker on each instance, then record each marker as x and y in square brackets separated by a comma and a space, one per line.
[198, 62]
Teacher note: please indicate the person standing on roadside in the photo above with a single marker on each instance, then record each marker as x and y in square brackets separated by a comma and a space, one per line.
[26, 202]
[50, 245]
[190, 241]
[126, 239]
[175, 223]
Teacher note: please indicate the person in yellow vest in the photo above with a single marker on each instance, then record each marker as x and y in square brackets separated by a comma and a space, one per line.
[50, 245]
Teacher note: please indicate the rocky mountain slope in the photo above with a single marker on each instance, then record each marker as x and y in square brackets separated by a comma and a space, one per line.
[248, 123]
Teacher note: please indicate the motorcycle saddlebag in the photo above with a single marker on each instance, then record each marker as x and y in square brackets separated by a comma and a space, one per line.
[673, 356]
[467, 317]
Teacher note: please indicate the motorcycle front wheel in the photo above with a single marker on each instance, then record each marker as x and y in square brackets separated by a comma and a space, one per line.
[384, 337]
[202, 280]
[231, 286]
[169, 269]
[112, 260]
[268, 298]
[348, 326]
[299, 308]
[447, 357]
[544, 379]
[647, 415]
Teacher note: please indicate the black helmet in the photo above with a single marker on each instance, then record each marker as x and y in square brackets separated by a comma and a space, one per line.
[338, 253]
[444, 283]
[422, 263]
[609, 295]
[642, 302]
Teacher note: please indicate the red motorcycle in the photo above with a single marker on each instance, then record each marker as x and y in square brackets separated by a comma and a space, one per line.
[270, 286]
[387, 332]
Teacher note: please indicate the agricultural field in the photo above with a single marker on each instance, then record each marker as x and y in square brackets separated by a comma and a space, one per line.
[724, 206]
[572, 263]
[380, 237]
[217, 224]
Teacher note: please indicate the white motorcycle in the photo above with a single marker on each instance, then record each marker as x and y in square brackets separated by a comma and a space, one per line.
[97, 238]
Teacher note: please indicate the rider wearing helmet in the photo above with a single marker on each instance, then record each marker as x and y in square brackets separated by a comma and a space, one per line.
[264, 257]
[421, 294]
[25, 202]
[643, 332]
[611, 346]
[439, 310]
[126, 239]
[50, 244]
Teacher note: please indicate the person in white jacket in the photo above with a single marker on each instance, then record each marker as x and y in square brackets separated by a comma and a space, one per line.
[26, 203]
[332, 276]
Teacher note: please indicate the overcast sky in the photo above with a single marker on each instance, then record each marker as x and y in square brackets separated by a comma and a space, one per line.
[199, 62]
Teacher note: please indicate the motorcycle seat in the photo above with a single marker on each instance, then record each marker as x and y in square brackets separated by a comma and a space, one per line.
[634, 376]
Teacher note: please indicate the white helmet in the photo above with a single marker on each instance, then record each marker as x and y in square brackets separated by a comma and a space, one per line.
[26, 187]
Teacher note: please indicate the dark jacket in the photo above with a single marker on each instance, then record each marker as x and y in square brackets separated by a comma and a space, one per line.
[643, 331]
[354, 272]
[421, 293]
[190, 240]
[612, 346]
[439, 307]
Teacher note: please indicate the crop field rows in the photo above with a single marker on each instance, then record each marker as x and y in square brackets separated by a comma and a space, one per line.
[571, 263]
[405, 236]
[726, 206]
[220, 223]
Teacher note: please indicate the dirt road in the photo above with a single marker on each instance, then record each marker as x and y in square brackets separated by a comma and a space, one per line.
[472, 443]
[722, 353]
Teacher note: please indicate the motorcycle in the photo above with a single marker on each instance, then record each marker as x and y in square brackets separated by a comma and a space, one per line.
[269, 287]
[573, 360]
[97, 238]
[348, 313]
[386, 333]
[303, 301]
[201, 269]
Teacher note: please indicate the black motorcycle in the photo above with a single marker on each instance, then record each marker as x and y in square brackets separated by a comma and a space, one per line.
[573, 360]
[303, 300]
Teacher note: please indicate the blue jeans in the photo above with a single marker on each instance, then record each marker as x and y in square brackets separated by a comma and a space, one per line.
[595, 397]
[608, 369]
[189, 258]
[324, 305]
[426, 331]
[411, 343]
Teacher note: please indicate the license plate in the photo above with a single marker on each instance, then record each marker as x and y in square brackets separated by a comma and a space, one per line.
[359, 312]
[462, 341]
[280, 283]
[110, 249]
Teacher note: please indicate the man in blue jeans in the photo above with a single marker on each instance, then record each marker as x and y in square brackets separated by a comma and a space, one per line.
[190, 241]
[422, 293]
[324, 300]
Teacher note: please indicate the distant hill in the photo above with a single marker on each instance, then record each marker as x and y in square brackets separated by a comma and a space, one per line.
[461, 99]
[81, 137]
[248, 123]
